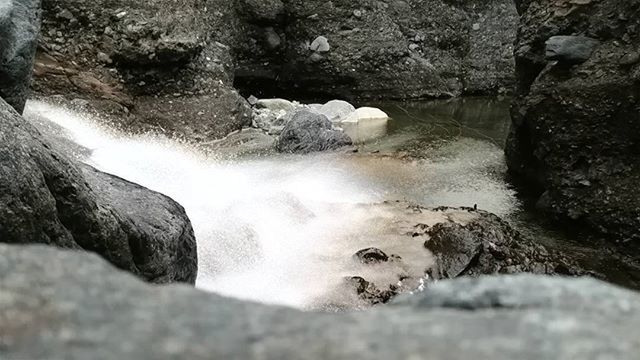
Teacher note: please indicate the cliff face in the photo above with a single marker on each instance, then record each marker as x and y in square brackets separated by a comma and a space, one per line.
[576, 117]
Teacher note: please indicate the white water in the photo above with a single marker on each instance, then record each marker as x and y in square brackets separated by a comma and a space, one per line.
[281, 229]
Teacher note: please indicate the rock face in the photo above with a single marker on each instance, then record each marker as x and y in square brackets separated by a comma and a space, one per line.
[154, 65]
[576, 118]
[75, 306]
[309, 132]
[19, 27]
[48, 199]
[371, 49]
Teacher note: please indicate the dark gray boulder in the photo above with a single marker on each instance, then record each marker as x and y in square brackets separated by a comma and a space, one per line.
[19, 27]
[69, 305]
[47, 198]
[309, 132]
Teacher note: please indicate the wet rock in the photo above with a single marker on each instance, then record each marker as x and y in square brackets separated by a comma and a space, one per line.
[371, 256]
[575, 131]
[61, 203]
[19, 27]
[54, 302]
[570, 49]
[308, 132]
[411, 246]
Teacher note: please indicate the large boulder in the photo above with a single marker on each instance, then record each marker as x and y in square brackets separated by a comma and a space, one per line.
[58, 304]
[48, 199]
[376, 49]
[309, 132]
[19, 27]
[576, 118]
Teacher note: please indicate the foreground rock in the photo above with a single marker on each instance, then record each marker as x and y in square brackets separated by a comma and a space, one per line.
[75, 306]
[407, 246]
[51, 200]
[19, 27]
[576, 119]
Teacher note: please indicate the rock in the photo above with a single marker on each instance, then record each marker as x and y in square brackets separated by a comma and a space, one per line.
[320, 44]
[335, 110]
[60, 203]
[371, 256]
[577, 125]
[570, 49]
[367, 115]
[275, 105]
[19, 27]
[69, 305]
[308, 132]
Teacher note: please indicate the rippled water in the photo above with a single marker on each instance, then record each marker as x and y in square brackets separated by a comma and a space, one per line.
[275, 228]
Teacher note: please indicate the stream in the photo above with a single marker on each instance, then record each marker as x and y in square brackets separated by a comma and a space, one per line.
[273, 228]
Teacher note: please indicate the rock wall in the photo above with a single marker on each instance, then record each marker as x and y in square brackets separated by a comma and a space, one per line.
[576, 118]
[377, 49]
[67, 305]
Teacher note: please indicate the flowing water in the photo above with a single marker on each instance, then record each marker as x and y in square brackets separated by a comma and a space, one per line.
[276, 228]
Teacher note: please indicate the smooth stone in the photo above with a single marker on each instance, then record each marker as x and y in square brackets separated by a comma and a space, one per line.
[320, 44]
[367, 114]
[275, 104]
[336, 110]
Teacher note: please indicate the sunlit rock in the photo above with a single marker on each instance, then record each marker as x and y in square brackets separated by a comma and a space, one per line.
[367, 114]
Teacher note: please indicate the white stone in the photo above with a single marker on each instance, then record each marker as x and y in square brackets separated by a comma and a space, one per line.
[275, 104]
[367, 114]
[336, 110]
[320, 44]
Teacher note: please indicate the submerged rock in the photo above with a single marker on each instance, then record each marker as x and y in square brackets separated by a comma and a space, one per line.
[19, 27]
[308, 132]
[49, 199]
[75, 306]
